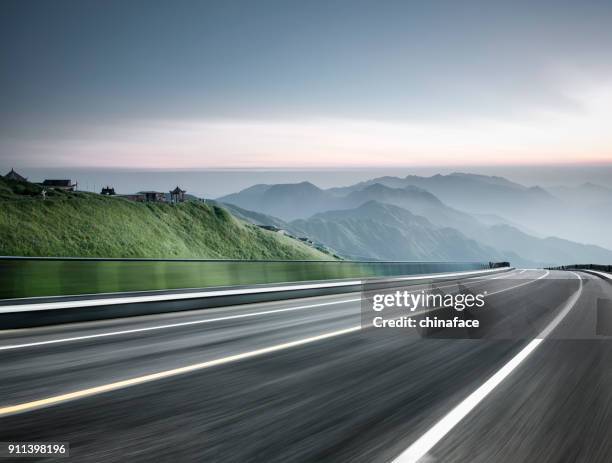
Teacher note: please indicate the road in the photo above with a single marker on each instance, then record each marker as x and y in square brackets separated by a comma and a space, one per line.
[301, 380]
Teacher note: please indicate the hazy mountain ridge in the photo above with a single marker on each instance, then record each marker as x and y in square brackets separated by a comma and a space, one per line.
[302, 200]
[500, 236]
[469, 192]
[287, 200]
[256, 218]
[387, 232]
[419, 202]
[586, 191]
[582, 214]
[544, 251]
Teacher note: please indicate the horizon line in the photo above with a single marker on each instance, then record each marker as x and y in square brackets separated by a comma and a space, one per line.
[460, 167]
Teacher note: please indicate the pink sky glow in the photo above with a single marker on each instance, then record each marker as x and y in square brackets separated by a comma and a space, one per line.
[540, 137]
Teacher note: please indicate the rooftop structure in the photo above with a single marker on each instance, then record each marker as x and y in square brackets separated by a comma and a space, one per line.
[177, 195]
[62, 184]
[12, 175]
[153, 196]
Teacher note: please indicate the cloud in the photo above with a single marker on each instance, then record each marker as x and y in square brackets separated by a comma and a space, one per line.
[540, 136]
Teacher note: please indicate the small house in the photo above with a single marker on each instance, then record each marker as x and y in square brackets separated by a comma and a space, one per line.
[177, 195]
[153, 196]
[12, 175]
[54, 184]
[108, 191]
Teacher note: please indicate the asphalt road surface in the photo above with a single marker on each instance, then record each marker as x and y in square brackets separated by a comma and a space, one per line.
[301, 380]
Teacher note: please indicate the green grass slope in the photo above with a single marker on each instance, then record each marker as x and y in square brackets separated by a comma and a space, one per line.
[90, 225]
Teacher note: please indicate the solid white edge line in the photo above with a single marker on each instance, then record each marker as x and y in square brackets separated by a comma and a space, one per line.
[36, 404]
[433, 309]
[546, 273]
[205, 294]
[173, 325]
[85, 296]
[27, 406]
[419, 448]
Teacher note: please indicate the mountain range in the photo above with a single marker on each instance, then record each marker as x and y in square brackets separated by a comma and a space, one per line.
[582, 214]
[443, 217]
[386, 232]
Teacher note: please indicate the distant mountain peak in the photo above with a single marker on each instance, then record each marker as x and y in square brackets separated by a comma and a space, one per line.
[301, 186]
[594, 187]
[260, 187]
[540, 191]
[382, 187]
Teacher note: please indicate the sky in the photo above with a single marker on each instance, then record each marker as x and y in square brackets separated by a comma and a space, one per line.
[304, 84]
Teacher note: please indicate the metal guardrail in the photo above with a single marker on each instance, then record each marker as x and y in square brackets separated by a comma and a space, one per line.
[596, 267]
[35, 277]
[29, 312]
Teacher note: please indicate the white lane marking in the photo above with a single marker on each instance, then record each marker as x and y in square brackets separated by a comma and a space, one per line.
[434, 309]
[546, 273]
[488, 278]
[173, 325]
[206, 294]
[503, 275]
[154, 291]
[32, 405]
[427, 441]
[201, 321]
[561, 315]
[27, 406]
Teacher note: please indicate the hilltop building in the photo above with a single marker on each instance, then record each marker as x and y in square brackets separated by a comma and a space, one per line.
[65, 185]
[177, 195]
[153, 196]
[12, 175]
[108, 191]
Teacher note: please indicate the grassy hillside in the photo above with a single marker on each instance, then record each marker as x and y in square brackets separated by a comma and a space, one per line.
[90, 225]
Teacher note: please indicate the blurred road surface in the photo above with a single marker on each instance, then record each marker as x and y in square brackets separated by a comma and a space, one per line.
[299, 380]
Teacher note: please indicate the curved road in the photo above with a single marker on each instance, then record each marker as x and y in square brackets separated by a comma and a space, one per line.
[300, 380]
